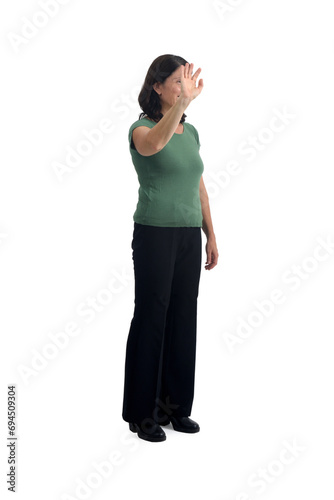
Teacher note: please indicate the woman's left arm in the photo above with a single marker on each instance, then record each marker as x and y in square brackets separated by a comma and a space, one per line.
[211, 246]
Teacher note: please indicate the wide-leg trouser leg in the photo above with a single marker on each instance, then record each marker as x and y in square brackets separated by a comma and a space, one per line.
[157, 253]
[179, 350]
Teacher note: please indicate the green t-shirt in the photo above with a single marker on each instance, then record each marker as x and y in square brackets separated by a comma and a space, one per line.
[168, 194]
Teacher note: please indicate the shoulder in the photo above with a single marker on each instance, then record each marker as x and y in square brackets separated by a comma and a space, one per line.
[143, 122]
[194, 131]
[190, 126]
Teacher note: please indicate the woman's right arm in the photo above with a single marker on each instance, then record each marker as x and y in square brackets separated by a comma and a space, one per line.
[149, 141]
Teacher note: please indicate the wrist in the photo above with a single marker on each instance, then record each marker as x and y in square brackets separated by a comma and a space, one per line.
[211, 236]
[183, 102]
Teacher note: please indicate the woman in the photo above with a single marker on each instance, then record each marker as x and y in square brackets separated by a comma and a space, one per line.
[172, 208]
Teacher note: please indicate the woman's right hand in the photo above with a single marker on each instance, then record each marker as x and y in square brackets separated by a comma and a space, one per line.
[188, 82]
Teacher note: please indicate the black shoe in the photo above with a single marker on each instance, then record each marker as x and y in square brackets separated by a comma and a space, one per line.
[151, 432]
[182, 424]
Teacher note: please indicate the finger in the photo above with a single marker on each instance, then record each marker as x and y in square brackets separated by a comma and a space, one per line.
[195, 75]
[189, 69]
[200, 85]
[211, 260]
[211, 265]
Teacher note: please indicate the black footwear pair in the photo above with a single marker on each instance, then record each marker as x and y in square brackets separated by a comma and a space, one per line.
[151, 431]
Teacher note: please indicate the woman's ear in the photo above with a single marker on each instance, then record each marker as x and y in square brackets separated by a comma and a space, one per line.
[156, 87]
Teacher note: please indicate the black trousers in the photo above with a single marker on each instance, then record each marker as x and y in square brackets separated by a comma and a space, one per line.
[161, 345]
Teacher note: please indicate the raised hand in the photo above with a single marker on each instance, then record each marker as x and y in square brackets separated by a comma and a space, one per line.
[188, 82]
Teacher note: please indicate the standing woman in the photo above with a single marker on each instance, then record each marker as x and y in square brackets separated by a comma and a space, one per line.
[172, 208]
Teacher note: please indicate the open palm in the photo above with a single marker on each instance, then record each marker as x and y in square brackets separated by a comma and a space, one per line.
[188, 82]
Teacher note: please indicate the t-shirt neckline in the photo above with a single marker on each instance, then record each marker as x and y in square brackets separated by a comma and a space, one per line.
[175, 133]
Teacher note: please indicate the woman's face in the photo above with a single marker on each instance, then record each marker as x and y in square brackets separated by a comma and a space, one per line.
[169, 90]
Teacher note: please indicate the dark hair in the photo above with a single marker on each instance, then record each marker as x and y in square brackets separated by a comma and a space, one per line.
[160, 69]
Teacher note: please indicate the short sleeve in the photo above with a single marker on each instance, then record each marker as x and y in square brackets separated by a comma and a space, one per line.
[197, 136]
[131, 129]
[139, 123]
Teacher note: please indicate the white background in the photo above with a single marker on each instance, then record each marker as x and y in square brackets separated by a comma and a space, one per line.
[63, 240]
